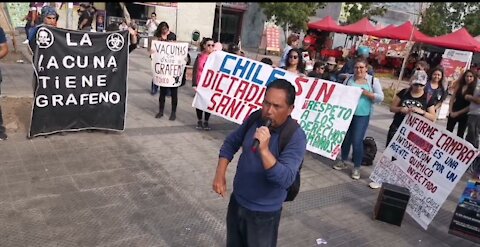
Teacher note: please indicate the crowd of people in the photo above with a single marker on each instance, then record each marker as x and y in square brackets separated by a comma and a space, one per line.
[262, 178]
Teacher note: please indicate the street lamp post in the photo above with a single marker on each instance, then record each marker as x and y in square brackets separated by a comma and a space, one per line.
[410, 45]
[219, 22]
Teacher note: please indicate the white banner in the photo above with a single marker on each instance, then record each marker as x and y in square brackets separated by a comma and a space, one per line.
[232, 87]
[426, 159]
[168, 62]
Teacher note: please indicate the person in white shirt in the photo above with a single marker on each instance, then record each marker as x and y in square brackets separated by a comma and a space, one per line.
[152, 24]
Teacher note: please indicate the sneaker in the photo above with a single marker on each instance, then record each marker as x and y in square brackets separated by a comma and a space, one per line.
[356, 173]
[205, 126]
[3, 137]
[199, 125]
[340, 165]
[374, 185]
[25, 42]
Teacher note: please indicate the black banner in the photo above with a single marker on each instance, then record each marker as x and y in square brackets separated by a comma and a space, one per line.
[81, 80]
[466, 218]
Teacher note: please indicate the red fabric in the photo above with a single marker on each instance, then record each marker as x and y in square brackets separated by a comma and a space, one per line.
[360, 27]
[382, 33]
[459, 40]
[331, 53]
[326, 24]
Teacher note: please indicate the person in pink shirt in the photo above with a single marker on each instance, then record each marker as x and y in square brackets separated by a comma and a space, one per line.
[206, 47]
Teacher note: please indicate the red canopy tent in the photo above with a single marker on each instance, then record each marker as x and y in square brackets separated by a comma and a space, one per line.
[382, 33]
[404, 31]
[360, 27]
[326, 24]
[459, 40]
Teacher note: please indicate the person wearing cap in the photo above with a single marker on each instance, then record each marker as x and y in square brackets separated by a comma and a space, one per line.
[411, 100]
[331, 70]
[48, 16]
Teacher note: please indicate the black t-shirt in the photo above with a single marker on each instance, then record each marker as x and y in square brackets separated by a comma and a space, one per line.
[85, 15]
[407, 100]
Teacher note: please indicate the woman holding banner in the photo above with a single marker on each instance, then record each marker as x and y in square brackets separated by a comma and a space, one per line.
[294, 62]
[206, 47]
[409, 100]
[371, 93]
[163, 34]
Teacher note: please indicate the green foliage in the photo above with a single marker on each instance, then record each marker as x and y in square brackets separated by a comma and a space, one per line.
[295, 14]
[357, 11]
[441, 18]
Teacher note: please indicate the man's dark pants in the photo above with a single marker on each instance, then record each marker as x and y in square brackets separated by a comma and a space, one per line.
[251, 228]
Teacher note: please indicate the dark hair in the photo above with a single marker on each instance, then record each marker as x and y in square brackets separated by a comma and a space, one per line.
[318, 64]
[461, 82]
[439, 69]
[301, 63]
[267, 61]
[158, 32]
[361, 60]
[286, 86]
[203, 42]
[112, 27]
[153, 13]
[233, 48]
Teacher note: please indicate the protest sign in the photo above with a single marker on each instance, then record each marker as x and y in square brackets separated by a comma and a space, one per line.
[81, 80]
[466, 218]
[426, 159]
[168, 62]
[454, 63]
[232, 87]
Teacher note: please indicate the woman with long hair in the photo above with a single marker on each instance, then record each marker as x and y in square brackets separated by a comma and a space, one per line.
[371, 93]
[435, 89]
[206, 47]
[163, 34]
[294, 62]
[458, 107]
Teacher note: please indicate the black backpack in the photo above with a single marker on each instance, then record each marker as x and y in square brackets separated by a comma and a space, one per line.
[369, 151]
[285, 136]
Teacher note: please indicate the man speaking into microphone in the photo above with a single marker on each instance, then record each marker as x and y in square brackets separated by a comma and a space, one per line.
[264, 173]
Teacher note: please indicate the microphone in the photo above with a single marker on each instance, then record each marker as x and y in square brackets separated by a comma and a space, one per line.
[256, 142]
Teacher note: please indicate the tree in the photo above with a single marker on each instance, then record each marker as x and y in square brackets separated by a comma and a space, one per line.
[357, 11]
[294, 15]
[441, 18]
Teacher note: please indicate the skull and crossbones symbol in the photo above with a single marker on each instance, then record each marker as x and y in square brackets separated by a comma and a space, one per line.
[44, 38]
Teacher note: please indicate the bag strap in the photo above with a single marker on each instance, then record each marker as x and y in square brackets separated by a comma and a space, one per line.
[254, 116]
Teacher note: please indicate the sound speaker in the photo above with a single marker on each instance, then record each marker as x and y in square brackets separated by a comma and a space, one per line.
[391, 204]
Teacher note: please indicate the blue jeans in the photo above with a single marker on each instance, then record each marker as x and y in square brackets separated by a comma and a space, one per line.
[248, 228]
[354, 137]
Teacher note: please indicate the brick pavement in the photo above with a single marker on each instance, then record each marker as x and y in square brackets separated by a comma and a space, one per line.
[151, 185]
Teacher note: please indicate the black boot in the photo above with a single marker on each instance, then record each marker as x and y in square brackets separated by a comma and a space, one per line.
[161, 107]
[172, 116]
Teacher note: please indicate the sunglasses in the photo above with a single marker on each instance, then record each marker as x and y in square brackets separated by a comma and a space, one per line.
[294, 57]
[419, 85]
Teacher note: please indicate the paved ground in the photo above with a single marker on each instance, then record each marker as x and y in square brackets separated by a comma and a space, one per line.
[151, 185]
